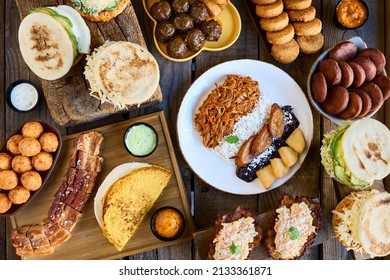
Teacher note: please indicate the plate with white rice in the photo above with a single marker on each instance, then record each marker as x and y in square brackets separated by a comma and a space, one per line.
[215, 165]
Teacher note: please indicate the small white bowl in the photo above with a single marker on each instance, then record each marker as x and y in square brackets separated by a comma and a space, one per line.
[360, 45]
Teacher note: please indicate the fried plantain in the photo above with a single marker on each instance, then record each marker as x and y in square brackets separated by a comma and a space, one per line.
[276, 121]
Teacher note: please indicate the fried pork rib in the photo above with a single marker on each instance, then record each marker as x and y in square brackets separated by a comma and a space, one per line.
[69, 200]
[287, 201]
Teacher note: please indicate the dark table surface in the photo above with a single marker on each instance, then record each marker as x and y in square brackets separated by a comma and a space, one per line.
[176, 78]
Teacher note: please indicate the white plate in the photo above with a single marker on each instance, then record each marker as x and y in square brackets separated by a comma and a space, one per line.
[360, 44]
[209, 166]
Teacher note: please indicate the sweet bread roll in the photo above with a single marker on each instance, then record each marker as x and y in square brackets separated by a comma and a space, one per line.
[29, 147]
[5, 161]
[8, 179]
[13, 144]
[32, 129]
[19, 195]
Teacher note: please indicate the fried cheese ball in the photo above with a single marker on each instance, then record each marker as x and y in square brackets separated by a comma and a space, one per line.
[19, 195]
[5, 203]
[32, 129]
[31, 180]
[5, 161]
[42, 161]
[21, 164]
[8, 179]
[13, 144]
[29, 147]
[49, 142]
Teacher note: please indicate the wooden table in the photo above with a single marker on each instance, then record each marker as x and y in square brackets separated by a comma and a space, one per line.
[207, 202]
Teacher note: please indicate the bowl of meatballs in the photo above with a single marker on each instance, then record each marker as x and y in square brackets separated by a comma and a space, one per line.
[26, 160]
[184, 28]
[348, 81]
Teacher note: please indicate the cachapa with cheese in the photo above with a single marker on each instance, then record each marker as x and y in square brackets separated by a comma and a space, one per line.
[129, 199]
[122, 73]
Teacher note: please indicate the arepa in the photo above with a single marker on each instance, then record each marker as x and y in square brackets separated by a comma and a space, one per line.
[128, 201]
[122, 73]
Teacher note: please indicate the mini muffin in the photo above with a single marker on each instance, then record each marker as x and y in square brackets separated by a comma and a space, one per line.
[32, 129]
[336, 101]
[375, 93]
[21, 164]
[42, 161]
[359, 76]
[346, 74]
[5, 203]
[19, 195]
[5, 161]
[368, 67]
[271, 10]
[275, 23]
[310, 44]
[49, 142]
[297, 4]
[312, 27]
[285, 53]
[29, 147]
[355, 105]
[8, 179]
[331, 70]
[31, 180]
[282, 36]
[366, 102]
[13, 144]
[304, 15]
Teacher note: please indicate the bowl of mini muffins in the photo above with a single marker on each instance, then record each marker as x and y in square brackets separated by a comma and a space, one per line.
[289, 27]
[27, 159]
[348, 81]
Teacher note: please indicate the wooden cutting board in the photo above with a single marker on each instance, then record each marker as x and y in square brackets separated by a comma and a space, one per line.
[68, 98]
[87, 240]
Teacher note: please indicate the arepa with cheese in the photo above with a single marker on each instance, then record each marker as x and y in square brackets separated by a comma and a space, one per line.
[361, 222]
[99, 10]
[50, 40]
[129, 199]
[122, 73]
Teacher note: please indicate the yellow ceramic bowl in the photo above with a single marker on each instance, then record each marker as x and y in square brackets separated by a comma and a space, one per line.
[229, 20]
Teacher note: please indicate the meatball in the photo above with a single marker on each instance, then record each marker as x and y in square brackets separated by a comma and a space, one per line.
[165, 31]
[49, 142]
[21, 164]
[181, 6]
[5, 203]
[176, 47]
[161, 11]
[29, 147]
[8, 179]
[199, 12]
[212, 30]
[32, 129]
[195, 39]
[183, 22]
[31, 180]
[42, 161]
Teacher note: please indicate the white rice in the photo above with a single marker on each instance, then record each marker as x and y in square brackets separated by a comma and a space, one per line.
[245, 128]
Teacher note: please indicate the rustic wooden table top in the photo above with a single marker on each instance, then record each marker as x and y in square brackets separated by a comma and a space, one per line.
[206, 201]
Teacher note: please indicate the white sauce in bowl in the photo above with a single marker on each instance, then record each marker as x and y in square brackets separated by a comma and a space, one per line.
[24, 96]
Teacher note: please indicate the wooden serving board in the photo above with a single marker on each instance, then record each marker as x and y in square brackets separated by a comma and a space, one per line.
[204, 237]
[68, 98]
[87, 240]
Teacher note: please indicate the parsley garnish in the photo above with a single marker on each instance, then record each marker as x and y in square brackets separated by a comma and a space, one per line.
[293, 233]
[232, 139]
[234, 249]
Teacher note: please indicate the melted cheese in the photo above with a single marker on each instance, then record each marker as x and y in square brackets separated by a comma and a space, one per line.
[237, 234]
[94, 7]
[297, 216]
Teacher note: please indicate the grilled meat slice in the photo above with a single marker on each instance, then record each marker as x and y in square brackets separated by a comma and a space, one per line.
[55, 233]
[39, 241]
[21, 242]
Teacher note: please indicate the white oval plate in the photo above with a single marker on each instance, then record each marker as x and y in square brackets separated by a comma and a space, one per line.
[274, 83]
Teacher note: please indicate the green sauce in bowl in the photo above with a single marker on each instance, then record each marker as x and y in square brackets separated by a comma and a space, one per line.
[140, 139]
